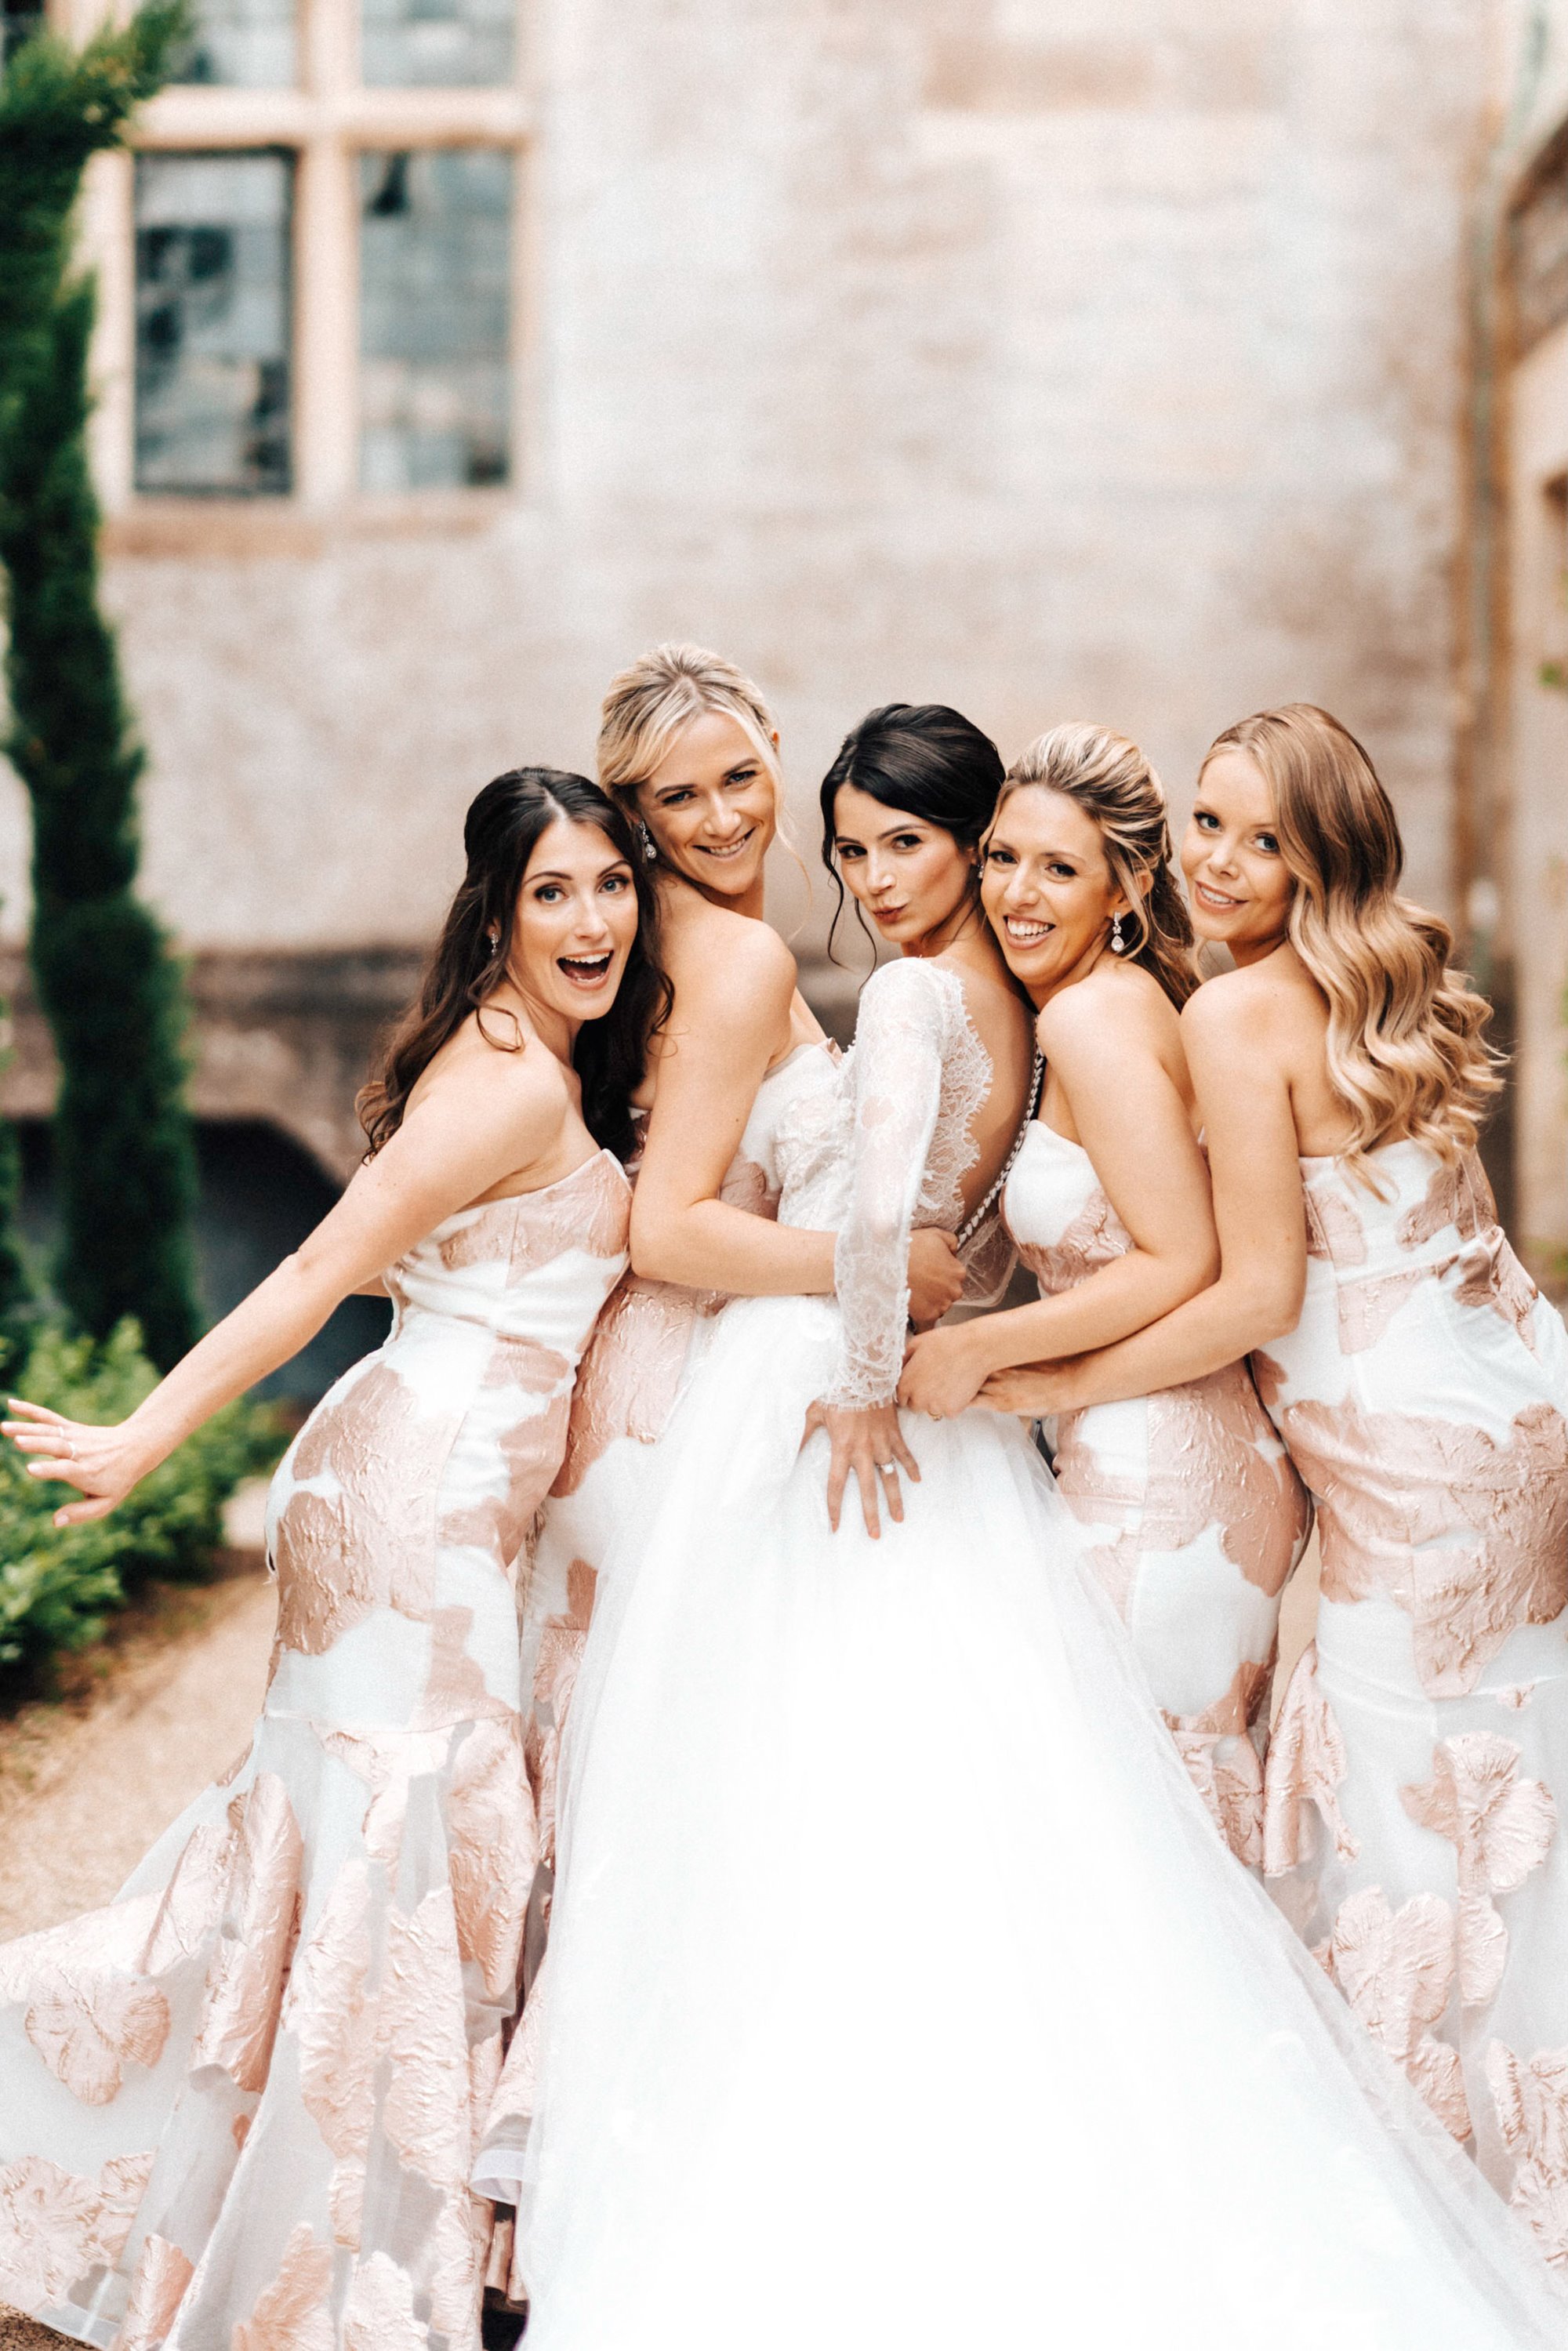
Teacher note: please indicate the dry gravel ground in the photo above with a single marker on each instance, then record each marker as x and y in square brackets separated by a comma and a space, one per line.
[88, 1782]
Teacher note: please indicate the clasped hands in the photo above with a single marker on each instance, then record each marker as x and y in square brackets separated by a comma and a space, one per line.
[946, 1371]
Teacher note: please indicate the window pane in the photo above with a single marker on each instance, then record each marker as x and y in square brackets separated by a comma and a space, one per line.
[248, 43]
[212, 322]
[434, 263]
[437, 41]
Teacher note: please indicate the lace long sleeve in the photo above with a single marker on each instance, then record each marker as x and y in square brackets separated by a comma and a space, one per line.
[896, 1087]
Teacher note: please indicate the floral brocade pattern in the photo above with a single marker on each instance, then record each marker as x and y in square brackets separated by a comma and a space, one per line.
[1203, 1515]
[1420, 1761]
[287, 2029]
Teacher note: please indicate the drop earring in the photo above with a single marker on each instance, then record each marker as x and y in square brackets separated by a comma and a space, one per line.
[645, 839]
[1118, 944]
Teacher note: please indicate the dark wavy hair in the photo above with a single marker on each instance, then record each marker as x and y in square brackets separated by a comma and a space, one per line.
[919, 755]
[500, 833]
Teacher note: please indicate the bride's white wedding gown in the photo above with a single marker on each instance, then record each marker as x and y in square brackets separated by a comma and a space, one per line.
[903, 1992]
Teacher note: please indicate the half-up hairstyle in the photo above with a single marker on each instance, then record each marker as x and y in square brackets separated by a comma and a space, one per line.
[500, 832]
[1405, 1052]
[649, 704]
[1109, 779]
[919, 755]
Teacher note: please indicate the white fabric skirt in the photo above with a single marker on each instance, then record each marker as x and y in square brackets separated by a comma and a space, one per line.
[904, 1993]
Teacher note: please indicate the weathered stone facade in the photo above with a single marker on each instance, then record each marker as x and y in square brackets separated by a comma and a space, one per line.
[1049, 359]
[1529, 698]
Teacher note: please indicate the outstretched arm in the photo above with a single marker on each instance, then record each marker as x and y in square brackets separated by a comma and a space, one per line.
[470, 1132]
[1135, 1125]
[1250, 1127]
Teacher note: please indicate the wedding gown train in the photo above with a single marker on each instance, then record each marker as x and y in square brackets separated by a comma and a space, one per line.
[903, 1992]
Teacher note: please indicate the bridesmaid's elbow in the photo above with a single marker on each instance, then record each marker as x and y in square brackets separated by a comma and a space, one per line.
[661, 1244]
[1271, 1306]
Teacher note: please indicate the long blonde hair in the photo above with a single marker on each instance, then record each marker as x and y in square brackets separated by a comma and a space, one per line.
[649, 704]
[1110, 780]
[1405, 1052]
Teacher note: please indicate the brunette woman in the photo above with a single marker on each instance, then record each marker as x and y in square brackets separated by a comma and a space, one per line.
[689, 746]
[1420, 1383]
[239, 2106]
[1197, 1513]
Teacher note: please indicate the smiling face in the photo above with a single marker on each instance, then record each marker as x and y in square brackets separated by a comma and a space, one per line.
[575, 923]
[1048, 889]
[711, 806]
[914, 880]
[1240, 886]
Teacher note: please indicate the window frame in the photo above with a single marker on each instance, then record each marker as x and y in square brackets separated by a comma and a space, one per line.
[327, 120]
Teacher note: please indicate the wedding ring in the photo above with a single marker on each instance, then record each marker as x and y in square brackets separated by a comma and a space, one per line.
[886, 1469]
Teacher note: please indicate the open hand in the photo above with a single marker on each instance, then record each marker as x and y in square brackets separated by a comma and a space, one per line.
[105, 1463]
[871, 1442]
[943, 1371]
[936, 1274]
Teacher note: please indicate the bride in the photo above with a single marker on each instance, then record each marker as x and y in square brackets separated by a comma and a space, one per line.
[904, 1995]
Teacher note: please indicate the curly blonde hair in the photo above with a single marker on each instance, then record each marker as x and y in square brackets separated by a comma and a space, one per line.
[651, 702]
[1110, 780]
[1405, 1052]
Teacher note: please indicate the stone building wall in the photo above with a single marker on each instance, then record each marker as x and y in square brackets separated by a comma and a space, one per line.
[1530, 652]
[1047, 358]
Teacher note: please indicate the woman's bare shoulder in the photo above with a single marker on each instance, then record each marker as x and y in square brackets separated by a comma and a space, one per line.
[499, 1085]
[710, 948]
[1119, 1006]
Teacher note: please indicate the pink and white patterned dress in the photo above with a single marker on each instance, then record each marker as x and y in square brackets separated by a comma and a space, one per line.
[238, 2106]
[1203, 1516]
[1421, 1754]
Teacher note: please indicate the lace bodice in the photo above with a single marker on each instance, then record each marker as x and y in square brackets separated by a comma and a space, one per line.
[884, 1147]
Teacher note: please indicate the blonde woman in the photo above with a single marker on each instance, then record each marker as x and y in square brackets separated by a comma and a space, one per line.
[1197, 1516]
[1420, 1383]
[689, 751]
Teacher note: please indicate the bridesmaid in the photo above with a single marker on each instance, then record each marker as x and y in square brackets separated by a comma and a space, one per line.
[688, 750]
[238, 2106]
[1421, 1384]
[1200, 1516]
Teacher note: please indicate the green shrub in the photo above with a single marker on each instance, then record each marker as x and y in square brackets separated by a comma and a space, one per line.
[58, 1583]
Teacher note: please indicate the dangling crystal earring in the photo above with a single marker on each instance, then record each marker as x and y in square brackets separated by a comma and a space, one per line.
[1118, 944]
[649, 852]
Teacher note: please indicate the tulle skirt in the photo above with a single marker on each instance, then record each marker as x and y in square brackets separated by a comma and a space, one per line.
[904, 1993]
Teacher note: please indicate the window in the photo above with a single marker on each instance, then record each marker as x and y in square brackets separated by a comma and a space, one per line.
[436, 43]
[212, 322]
[247, 43]
[434, 250]
[324, 243]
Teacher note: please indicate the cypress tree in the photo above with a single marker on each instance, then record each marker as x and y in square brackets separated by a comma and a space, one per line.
[124, 1152]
